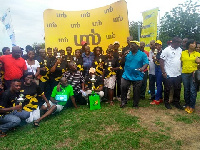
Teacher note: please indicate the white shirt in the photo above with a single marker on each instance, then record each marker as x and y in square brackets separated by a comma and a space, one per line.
[32, 68]
[172, 61]
[151, 63]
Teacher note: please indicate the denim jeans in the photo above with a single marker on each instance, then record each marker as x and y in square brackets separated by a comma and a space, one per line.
[8, 121]
[190, 89]
[125, 84]
[21, 114]
[159, 80]
[152, 81]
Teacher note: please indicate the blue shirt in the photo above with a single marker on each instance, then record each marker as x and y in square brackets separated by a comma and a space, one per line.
[133, 62]
[87, 62]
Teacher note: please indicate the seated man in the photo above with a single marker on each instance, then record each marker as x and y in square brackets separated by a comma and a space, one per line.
[98, 84]
[59, 99]
[7, 119]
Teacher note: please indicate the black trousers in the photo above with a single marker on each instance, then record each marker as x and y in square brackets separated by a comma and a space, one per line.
[168, 84]
[144, 85]
[125, 84]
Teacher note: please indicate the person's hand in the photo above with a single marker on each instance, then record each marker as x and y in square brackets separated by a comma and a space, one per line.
[1, 86]
[140, 69]
[58, 61]
[48, 106]
[164, 75]
[126, 52]
[111, 68]
[18, 107]
[44, 68]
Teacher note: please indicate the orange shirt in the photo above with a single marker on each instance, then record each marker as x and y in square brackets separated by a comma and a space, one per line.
[14, 68]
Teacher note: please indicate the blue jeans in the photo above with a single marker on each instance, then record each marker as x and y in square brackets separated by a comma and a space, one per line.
[159, 80]
[21, 114]
[8, 121]
[190, 89]
[152, 81]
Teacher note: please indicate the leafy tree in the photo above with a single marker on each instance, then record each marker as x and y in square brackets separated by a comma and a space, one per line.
[133, 29]
[182, 21]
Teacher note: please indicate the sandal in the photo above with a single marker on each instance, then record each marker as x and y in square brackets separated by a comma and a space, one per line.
[2, 134]
[36, 123]
[155, 102]
[111, 103]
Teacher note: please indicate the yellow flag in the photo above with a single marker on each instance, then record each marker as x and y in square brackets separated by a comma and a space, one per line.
[98, 27]
[149, 28]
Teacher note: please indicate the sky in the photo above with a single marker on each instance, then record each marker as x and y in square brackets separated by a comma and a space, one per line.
[27, 15]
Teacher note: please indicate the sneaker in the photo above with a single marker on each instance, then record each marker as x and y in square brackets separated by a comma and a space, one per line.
[2, 134]
[168, 106]
[178, 106]
[155, 102]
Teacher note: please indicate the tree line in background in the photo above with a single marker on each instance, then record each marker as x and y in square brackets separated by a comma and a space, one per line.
[182, 21]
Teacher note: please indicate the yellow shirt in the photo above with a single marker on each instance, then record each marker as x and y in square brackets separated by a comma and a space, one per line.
[188, 61]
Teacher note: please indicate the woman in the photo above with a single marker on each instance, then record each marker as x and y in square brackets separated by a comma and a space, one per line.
[30, 92]
[98, 61]
[78, 60]
[32, 65]
[189, 60]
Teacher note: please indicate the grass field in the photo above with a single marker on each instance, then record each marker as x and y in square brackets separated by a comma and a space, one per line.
[149, 127]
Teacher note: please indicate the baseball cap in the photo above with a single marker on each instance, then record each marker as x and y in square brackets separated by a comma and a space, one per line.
[136, 42]
[116, 42]
[159, 42]
[83, 43]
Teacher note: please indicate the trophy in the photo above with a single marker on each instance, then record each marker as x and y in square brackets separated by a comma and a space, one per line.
[68, 59]
[45, 63]
[93, 80]
[109, 64]
[155, 52]
[58, 57]
[120, 54]
[20, 100]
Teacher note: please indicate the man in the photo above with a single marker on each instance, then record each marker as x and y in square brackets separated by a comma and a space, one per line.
[76, 79]
[135, 63]
[130, 38]
[7, 105]
[6, 51]
[152, 76]
[15, 66]
[170, 64]
[88, 58]
[184, 44]
[44, 72]
[144, 82]
[98, 84]
[59, 99]
[69, 56]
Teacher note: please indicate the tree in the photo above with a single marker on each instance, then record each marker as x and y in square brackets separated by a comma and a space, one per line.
[133, 29]
[182, 21]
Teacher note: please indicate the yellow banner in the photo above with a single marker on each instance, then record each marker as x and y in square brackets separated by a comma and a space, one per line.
[149, 28]
[98, 27]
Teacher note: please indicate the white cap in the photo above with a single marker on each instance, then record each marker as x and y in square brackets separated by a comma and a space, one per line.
[116, 42]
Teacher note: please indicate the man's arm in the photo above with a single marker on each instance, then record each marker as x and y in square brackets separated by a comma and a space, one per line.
[4, 110]
[73, 101]
[162, 68]
[52, 99]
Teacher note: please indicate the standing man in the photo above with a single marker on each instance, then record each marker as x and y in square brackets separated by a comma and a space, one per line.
[130, 38]
[144, 82]
[135, 63]
[170, 64]
[15, 66]
[152, 76]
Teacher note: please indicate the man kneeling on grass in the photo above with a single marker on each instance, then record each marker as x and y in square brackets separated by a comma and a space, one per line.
[59, 99]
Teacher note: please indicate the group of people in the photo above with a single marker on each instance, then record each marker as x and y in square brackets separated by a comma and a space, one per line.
[40, 83]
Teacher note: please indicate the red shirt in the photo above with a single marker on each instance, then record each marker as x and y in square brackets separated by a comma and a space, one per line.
[147, 53]
[14, 68]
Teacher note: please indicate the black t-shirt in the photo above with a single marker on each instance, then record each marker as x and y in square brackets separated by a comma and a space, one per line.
[98, 64]
[97, 84]
[158, 58]
[44, 63]
[30, 93]
[8, 99]
[110, 64]
[79, 63]
[60, 69]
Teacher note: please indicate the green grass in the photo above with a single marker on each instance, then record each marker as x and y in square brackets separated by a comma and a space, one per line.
[107, 128]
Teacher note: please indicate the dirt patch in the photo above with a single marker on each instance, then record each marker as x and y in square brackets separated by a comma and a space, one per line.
[66, 143]
[158, 119]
